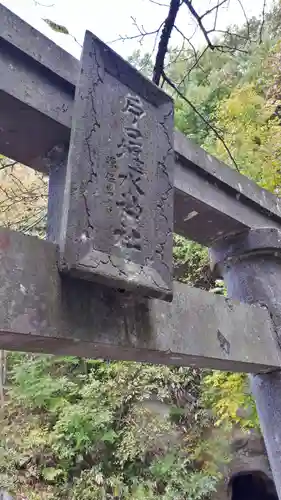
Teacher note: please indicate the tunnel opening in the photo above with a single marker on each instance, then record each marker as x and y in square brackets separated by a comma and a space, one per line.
[252, 485]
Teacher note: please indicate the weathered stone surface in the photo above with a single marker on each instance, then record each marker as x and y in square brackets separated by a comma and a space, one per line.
[42, 311]
[250, 264]
[118, 206]
[247, 458]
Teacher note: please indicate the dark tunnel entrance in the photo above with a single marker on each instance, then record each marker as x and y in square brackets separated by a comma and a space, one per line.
[254, 485]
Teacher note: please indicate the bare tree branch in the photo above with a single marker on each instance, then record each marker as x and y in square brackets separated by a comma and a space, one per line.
[196, 63]
[35, 223]
[198, 19]
[184, 38]
[23, 198]
[229, 42]
[216, 7]
[228, 48]
[226, 32]
[43, 4]
[216, 17]
[164, 40]
[141, 34]
[187, 40]
[217, 134]
[178, 55]
[262, 21]
[246, 17]
[4, 165]
[159, 3]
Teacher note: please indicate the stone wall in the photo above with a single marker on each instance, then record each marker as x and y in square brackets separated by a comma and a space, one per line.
[249, 458]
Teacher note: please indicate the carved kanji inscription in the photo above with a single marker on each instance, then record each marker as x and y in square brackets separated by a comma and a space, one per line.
[117, 224]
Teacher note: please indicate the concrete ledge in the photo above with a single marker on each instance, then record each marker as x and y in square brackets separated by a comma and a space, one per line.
[42, 312]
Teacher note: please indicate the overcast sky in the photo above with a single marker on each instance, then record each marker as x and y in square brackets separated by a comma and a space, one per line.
[108, 19]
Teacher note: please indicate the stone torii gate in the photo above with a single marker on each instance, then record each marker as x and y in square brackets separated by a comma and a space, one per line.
[121, 181]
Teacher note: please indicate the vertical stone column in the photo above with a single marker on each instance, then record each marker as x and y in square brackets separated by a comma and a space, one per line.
[250, 264]
[56, 163]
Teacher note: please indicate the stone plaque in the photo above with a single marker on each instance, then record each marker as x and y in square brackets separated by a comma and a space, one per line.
[117, 222]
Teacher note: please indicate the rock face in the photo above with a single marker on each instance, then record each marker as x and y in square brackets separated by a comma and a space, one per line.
[248, 475]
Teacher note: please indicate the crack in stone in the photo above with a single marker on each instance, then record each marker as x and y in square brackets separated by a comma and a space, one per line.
[166, 132]
[92, 266]
[88, 211]
[272, 316]
[165, 195]
[95, 125]
[88, 139]
[121, 271]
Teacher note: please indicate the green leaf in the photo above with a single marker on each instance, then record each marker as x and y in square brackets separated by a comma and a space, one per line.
[109, 436]
[59, 28]
[50, 474]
